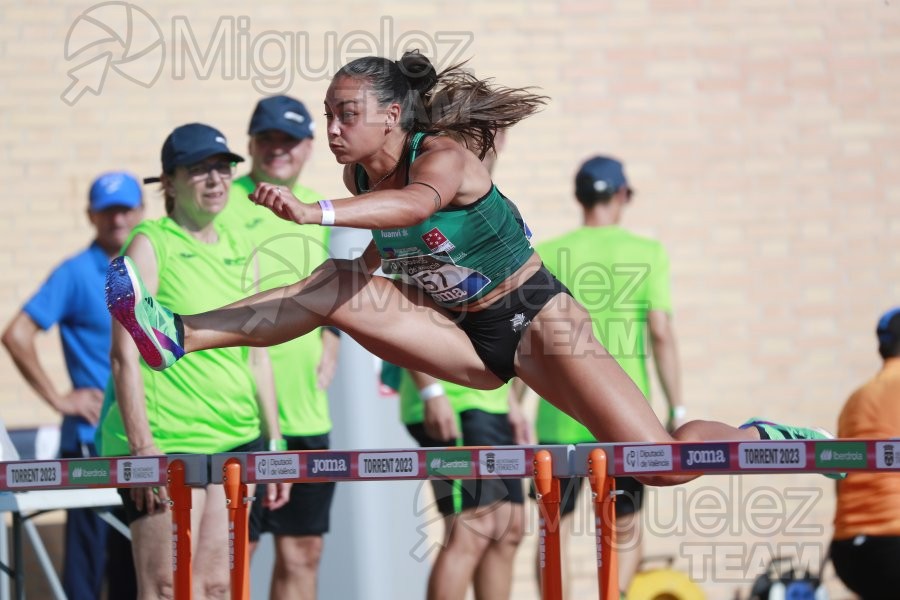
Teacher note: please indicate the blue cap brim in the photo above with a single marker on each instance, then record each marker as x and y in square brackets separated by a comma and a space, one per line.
[106, 204]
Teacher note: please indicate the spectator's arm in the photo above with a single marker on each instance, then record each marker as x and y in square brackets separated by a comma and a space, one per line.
[261, 367]
[19, 339]
[440, 418]
[523, 431]
[331, 344]
[668, 367]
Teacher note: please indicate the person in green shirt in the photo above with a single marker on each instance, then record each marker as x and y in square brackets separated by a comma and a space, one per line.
[281, 140]
[219, 400]
[622, 279]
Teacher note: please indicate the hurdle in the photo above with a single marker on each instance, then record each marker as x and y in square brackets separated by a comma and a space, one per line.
[548, 496]
[177, 472]
[547, 463]
[601, 463]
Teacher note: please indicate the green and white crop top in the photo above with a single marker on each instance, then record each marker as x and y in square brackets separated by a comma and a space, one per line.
[458, 254]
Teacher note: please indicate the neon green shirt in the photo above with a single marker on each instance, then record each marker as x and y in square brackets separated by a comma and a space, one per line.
[206, 402]
[287, 252]
[619, 277]
[412, 408]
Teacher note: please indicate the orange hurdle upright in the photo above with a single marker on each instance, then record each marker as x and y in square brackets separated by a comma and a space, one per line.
[548, 494]
[180, 503]
[237, 501]
[603, 488]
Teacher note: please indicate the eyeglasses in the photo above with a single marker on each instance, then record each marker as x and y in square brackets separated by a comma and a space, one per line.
[201, 171]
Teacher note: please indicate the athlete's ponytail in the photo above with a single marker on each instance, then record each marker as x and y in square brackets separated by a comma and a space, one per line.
[454, 101]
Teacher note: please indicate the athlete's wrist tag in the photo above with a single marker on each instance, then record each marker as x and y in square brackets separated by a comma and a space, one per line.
[431, 391]
[278, 445]
[327, 212]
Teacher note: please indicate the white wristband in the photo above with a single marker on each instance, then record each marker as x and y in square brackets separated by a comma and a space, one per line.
[327, 212]
[431, 391]
[678, 412]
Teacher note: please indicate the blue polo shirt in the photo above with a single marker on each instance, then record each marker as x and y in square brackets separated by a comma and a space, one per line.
[73, 298]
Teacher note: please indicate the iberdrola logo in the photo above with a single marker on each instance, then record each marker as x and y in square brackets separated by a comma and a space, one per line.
[841, 455]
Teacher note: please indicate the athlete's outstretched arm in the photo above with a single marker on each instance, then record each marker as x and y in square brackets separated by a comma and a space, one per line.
[444, 173]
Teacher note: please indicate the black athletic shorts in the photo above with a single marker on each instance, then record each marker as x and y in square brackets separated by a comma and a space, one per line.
[628, 502]
[495, 331]
[132, 514]
[307, 512]
[479, 428]
[867, 564]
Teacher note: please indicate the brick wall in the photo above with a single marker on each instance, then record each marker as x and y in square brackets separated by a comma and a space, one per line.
[761, 135]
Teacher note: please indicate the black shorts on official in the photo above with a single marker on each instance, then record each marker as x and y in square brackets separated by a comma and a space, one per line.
[495, 331]
[132, 514]
[308, 510]
[867, 564]
[628, 502]
[479, 428]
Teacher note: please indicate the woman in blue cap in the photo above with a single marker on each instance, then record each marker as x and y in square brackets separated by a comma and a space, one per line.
[476, 307]
[212, 401]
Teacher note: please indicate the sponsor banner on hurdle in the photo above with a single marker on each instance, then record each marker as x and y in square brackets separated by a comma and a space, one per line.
[326, 465]
[83, 473]
[704, 457]
[740, 457]
[887, 455]
[772, 455]
[39, 474]
[276, 467]
[97, 472]
[841, 455]
[643, 459]
[139, 471]
[505, 462]
[388, 465]
[449, 463]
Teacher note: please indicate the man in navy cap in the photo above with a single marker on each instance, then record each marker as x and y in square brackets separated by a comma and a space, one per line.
[866, 539]
[622, 279]
[281, 141]
[72, 297]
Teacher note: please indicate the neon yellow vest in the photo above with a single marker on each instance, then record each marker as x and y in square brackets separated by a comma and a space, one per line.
[287, 252]
[619, 277]
[206, 402]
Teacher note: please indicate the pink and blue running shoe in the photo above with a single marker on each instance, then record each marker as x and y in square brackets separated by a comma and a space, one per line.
[155, 329]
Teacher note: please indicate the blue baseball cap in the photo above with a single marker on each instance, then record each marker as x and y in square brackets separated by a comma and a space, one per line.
[191, 143]
[115, 189]
[600, 175]
[888, 332]
[282, 113]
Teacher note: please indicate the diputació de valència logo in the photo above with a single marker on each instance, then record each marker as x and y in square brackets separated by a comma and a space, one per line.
[116, 36]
